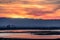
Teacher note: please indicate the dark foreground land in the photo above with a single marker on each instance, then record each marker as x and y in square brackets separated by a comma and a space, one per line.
[34, 32]
[46, 32]
[25, 39]
[16, 39]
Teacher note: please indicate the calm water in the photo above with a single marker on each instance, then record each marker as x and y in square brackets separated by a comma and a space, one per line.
[26, 34]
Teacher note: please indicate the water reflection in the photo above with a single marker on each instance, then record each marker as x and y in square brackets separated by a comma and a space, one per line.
[29, 34]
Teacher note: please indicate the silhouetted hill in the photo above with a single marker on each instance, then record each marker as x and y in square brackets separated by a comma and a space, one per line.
[29, 23]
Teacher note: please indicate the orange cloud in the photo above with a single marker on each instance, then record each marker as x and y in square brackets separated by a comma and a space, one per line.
[31, 9]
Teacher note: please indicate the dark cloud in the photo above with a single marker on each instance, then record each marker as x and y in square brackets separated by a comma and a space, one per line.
[7, 1]
[37, 12]
[49, 2]
[14, 1]
[53, 1]
[30, 2]
[25, 2]
[57, 8]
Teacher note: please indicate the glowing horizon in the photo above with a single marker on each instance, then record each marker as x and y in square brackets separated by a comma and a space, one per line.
[36, 9]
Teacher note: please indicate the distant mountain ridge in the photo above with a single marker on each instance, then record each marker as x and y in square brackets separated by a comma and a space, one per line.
[19, 22]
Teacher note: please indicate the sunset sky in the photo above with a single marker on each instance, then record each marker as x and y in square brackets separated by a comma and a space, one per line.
[35, 9]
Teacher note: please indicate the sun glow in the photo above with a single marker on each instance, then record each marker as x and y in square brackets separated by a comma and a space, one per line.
[17, 17]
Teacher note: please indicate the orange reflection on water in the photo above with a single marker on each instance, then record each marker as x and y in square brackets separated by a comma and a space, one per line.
[27, 35]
